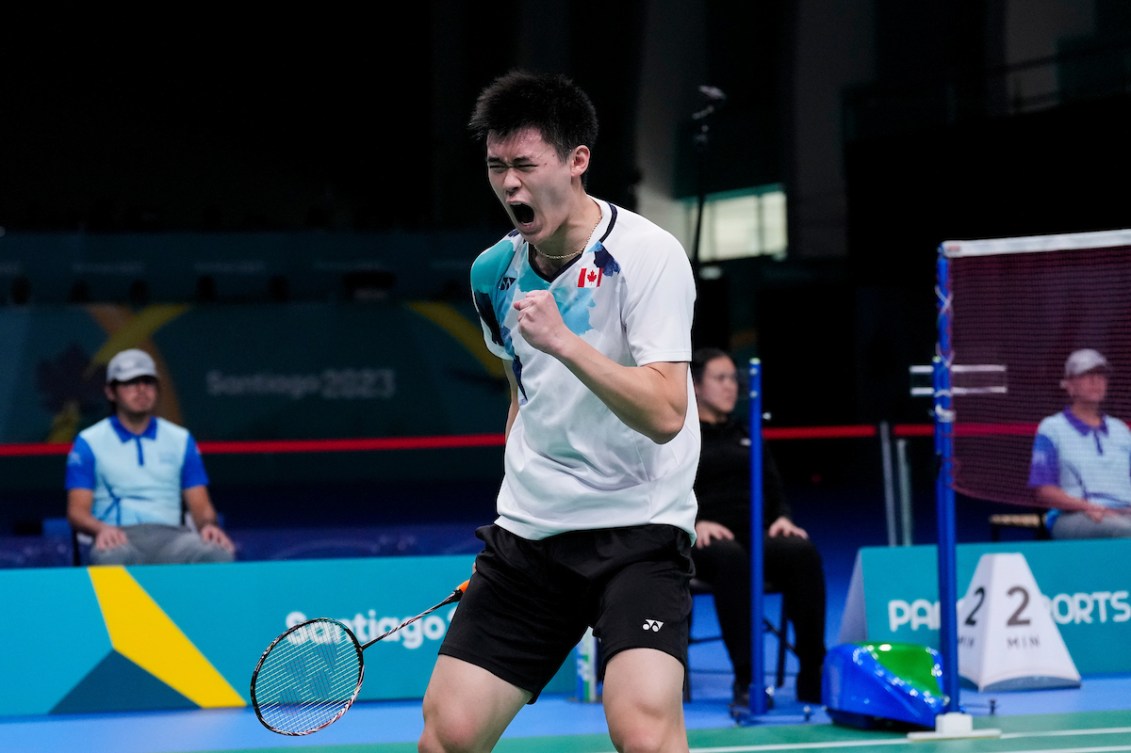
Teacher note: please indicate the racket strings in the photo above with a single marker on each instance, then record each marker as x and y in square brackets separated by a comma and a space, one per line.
[311, 674]
[308, 678]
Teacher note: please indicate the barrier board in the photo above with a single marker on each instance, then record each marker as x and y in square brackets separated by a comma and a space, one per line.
[102, 639]
[893, 595]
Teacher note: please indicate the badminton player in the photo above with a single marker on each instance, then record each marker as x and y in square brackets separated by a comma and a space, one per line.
[590, 305]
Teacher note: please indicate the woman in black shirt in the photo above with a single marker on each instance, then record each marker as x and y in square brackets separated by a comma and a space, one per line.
[721, 554]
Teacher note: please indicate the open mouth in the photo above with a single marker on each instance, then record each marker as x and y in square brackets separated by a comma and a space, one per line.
[523, 213]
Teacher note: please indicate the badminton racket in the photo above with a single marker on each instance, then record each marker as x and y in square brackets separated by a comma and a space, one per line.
[311, 674]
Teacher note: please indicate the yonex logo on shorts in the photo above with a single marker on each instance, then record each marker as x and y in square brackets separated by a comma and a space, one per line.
[653, 625]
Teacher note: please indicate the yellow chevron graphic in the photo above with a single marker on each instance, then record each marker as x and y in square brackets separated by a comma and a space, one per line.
[125, 330]
[467, 334]
[141, 631]
[130, 331]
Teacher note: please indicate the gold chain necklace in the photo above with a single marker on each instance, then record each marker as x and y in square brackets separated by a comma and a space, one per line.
[544, 255]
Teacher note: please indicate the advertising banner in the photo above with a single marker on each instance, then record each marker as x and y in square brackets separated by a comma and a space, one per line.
[189, 636]
[296, 371]
[1084, 585]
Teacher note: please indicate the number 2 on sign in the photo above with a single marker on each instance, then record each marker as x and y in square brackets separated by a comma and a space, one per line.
[1015, 619]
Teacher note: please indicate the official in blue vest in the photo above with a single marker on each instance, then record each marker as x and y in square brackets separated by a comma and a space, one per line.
[136, 485]
[1081, 466]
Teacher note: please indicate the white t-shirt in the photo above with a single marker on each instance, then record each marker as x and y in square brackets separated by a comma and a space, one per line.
[570, 464]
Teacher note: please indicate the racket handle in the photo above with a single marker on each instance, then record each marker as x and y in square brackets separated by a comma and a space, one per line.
[458, 593]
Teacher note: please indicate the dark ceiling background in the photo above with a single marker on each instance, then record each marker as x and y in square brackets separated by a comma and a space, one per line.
[351, 119]
[241, 123]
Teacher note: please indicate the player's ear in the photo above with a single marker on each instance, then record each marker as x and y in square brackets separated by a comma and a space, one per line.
[579, 160]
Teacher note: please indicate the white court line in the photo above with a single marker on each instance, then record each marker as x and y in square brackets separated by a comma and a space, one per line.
[903, 741]
[1064, 732]
[874, 743]
[1101, 749]
[802, 746]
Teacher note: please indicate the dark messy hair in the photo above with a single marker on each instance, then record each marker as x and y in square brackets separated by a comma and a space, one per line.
[700, 358]
[548, 102]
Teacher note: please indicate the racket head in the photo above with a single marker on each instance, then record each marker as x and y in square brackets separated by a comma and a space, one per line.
[308, 677]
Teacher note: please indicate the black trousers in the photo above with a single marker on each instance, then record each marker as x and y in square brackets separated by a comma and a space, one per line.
[794, 566]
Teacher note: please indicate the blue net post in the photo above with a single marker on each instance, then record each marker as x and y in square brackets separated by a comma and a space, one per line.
[758, 659]
[944, 492]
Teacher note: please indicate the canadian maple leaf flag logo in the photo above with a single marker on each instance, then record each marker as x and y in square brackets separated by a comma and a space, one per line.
[589, 278]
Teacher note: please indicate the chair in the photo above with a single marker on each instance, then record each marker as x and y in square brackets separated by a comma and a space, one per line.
[779, 631]
[78, 543]
[1037, 522]
[59, 528]
[80, 546]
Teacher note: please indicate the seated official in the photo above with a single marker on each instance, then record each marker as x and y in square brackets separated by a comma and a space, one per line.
[722, 548]
[132, 476]
[1081, 465]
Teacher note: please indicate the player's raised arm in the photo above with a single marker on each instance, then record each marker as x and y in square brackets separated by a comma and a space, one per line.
[652, 398]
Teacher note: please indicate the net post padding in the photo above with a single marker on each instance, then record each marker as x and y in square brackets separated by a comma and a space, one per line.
[1022, 305]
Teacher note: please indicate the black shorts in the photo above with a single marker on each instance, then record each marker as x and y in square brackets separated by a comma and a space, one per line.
[529, 602]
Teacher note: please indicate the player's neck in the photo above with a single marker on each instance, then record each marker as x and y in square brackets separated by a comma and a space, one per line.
[577, 232]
